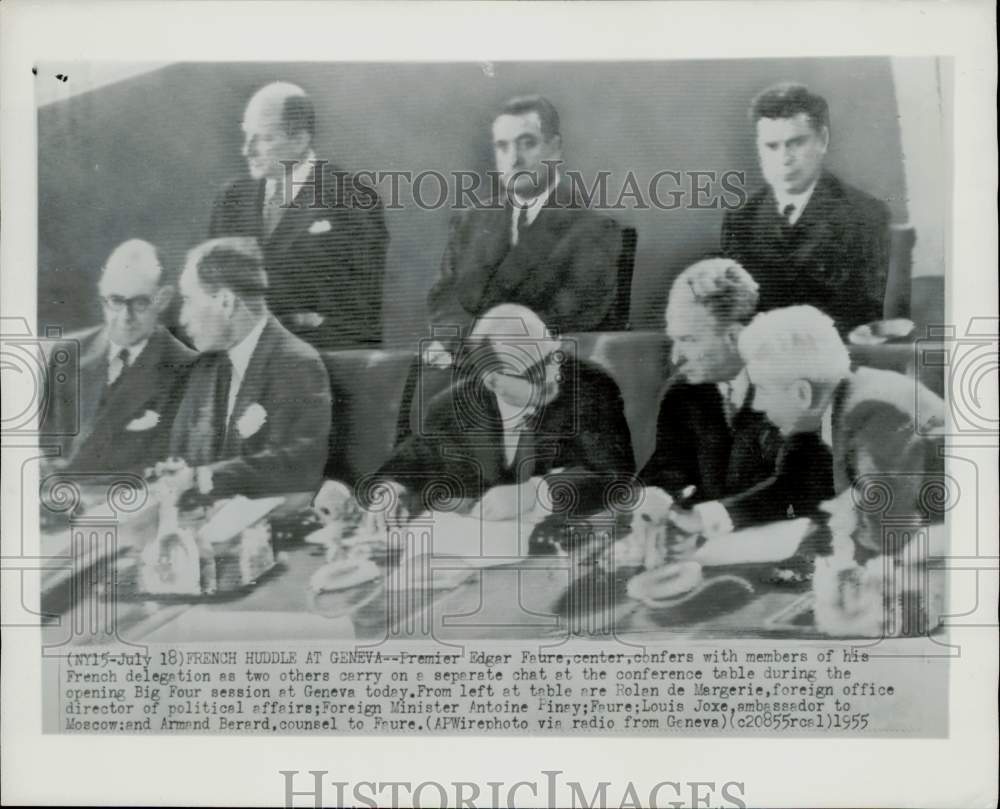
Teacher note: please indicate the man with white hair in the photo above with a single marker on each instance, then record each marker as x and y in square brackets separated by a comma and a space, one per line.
[322, 232]
[804, 384]
[519, 407]
[710, 441]
[117, 418]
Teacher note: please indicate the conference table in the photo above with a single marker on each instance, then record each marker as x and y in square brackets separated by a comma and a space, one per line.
[91, 598]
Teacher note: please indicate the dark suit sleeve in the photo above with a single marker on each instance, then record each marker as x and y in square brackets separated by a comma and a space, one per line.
[444, 307]
[874, 263]
[221, 221]
[431, 462]
[598, 456]
[803, 480]
[589, 277]
[358, 243]
[674, 462]
[293, 458]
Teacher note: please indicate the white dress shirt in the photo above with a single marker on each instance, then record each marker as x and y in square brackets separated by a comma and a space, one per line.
[534, 207]
[797, 201]
[300, 176]
[240, 355]
[115, 366]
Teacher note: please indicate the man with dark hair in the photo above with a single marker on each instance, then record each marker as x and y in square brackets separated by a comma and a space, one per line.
[518, 408]
[117, 417]
[255, 416]
[536, 244]
[807, 237]
[322, 232]
[710, 441]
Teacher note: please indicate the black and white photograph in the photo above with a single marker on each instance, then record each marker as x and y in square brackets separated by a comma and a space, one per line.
[637, 398]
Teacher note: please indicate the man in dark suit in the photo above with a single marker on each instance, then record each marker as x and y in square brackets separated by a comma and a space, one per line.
[322, 231]
[535, 244]
[710, 441]
[839, 424]
[518, 408]
[807, 237]
[255, 416]
[117, 418]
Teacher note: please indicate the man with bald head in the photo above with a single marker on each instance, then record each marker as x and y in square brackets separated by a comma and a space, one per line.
[131, 373]
[323, 233]
[519, 406]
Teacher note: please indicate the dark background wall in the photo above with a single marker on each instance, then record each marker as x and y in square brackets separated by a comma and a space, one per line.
[144, 157]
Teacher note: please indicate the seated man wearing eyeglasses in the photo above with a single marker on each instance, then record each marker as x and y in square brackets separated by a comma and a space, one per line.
[131, 373]
[519, 407]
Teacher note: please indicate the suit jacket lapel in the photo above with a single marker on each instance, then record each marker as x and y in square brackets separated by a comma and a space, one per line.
[292, 223]
[93, 381]
[487, 250]
[715, 444]
[138, 383]
[536, 242]
[252, 385]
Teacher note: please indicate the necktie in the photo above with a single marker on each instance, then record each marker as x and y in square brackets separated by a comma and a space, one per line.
[117, 366]
[220, 417]
[522, 224]
[728, 405]
[787, 212]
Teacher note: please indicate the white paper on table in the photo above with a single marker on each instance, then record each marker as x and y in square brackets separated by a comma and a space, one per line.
[236, 515]
[476, 542]
[773, 542]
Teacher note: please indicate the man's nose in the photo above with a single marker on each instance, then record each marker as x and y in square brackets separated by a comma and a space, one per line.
[248, 145]
[676, 354]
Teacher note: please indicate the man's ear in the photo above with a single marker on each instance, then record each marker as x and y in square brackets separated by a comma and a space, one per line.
[802, 390]
[824, 136]
[227, 300]
[164, 295]
[733, 335]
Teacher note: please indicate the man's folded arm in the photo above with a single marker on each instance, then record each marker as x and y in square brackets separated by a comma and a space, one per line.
[295, 455]
[589, 284]
[803, 480]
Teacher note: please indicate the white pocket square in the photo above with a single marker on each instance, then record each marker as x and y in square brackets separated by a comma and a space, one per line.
[251, 421]
[147, 421]
[320, 226]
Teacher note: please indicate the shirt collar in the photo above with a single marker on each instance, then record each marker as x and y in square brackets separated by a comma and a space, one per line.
[826, 426]
[799, 201]
[736, 389]
[535, 204]
[301, 172]
[134, 350]
[240, 354]
[512, 417]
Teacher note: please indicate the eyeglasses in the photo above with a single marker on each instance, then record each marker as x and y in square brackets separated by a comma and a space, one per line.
[537, 371]
[138, 304]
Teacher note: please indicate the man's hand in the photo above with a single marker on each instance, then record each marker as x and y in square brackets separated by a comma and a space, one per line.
[387, 507]
[683, 542]
[436, 355]
[506, 502]
[688, 521]
[306, 320]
